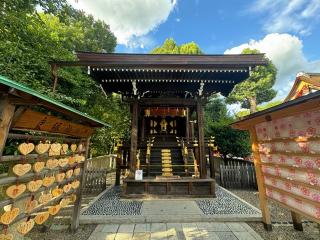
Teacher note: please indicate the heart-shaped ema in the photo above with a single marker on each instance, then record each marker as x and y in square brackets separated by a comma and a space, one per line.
[6, 236]
[64, 202]
[57, 192]
[21, 169]
[73, 147]
[15, 190]
[80, 147]
[34, 185]
[79, 158]
[75, 184]
[41, 217]
[73, 197]
[72, 160]
[25, 227]
[9, 216]
[38, 166]
[25, 148]
[60, 177]
[64, 148]
[55, 149]
[69, 173]
[30, 205]
[52, 163]
[63, 162]
[53, 210]
[48, 181]
[44, 198]
[76, 171]
[42, 148]
[67, 188]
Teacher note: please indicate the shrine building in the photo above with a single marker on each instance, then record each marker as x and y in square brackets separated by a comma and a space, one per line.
[167, 95]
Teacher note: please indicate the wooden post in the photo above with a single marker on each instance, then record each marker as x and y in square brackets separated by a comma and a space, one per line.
[202, 157]
[191, 131]
[187, 125]
[134, 137]
[6, 116]
[77, 203]
[118, 170]
[296, 220]
[143, 128]
[212, 164]
[54, 76]
[261, 187]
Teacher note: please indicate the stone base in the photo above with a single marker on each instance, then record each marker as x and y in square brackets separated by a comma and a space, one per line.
[168, 187]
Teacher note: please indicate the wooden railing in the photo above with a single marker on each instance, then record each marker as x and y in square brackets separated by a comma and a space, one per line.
[99, 170]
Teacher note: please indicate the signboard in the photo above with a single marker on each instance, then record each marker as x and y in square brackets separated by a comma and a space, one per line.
[139, 175]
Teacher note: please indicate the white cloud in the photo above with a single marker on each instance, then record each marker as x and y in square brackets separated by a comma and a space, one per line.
[128, 19]
[286, 52]
[297, 16]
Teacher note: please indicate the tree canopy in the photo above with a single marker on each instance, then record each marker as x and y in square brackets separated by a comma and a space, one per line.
[170, 47]
[230, 142]
[30, 38]
[257, 88]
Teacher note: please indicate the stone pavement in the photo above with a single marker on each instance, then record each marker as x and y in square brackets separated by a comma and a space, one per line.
[175, 231]
[108, 207]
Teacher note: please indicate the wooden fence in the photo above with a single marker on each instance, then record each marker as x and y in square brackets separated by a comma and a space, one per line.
[99, 173]
[237, 175]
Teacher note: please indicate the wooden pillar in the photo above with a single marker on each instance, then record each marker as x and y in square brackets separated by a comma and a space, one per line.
[134, 137]
[6, 116]
[187, 125]
[261, 187]
[212, 164]
[297, 221]
[191, 131]
[54, 76]
[202, 157]
[77, 204]
[143, 128]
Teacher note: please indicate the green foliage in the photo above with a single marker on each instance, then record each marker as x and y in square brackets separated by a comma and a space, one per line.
[30, 39]
[257, 88]
[170, 47]
[230, 142]
[259, 108]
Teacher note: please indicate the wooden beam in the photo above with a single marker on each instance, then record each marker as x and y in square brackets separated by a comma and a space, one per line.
[77, 204]
[134, 137]
[202, 157]
[261, 186]
[165, 101]
[6, 116]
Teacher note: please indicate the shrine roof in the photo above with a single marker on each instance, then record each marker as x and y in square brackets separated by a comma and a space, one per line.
[157, 73]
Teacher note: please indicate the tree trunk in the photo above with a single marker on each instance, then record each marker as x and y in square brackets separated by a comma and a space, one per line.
[253, 104]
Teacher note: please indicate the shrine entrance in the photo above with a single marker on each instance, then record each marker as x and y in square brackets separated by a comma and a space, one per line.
[164, 121]
[167, 154]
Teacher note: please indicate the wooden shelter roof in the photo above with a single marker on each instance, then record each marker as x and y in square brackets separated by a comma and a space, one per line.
[166, 73]
[22, 95]
[300, 104]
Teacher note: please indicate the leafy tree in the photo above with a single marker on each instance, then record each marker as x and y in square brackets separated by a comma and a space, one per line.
[29, 39]
[257, 88]
[170, 47]
[259, 108]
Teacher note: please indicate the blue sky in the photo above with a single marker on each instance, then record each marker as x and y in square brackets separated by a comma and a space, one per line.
[288, 31]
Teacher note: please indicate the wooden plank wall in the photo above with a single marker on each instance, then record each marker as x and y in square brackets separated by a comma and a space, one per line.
[238, 175]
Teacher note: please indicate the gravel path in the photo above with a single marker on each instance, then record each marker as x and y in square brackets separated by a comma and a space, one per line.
[281, 219]
[224, 203]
